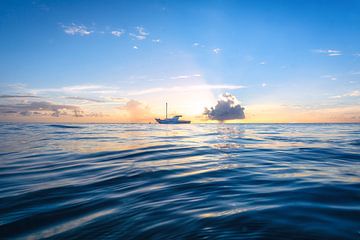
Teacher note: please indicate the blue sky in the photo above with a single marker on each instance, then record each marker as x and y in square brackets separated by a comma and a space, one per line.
[283, 60]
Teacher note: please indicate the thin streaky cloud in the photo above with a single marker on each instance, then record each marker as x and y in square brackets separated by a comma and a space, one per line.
[85, 99]
[18, 96]
[355, 93]
[331, 77]
[117, 99]
[96, 89]
[328, 52]
[138, 37]
[334, 54]
[185, 76]
[184, 89]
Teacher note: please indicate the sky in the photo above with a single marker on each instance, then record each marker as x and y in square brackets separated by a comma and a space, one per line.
[121, 61]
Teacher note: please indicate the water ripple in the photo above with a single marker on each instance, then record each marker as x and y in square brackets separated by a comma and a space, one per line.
[126, 181]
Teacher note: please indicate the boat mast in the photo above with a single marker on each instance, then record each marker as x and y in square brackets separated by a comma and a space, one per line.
[166, 110]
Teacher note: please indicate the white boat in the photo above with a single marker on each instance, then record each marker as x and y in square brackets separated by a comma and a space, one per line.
[173, 120]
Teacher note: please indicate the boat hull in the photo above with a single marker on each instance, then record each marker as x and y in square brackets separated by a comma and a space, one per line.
[171, 121]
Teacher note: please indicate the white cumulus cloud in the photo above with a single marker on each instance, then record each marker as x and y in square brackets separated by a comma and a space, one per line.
[117, 33]
[216, 50]
[227, 108]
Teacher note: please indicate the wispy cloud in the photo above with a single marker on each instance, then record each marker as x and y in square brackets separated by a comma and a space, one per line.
[355, 93]
[140, 34]
[217, 50]
[17, 86]
[75, 89]
[118, 33]
[74, 29]
[135, 47]
[156, 40]
[186, 76]
[18, 96]
[263, 84]
[86, 99]
[330, 77]
[328, 52]
[262, 63]
[117, 99]
[184, 89]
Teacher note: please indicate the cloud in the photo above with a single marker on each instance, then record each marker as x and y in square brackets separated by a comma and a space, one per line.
[17, 86]
[135, 47]
[227, 108]
[136, 111]
[196, 44]
[186, 76]
[85, 99]
[184, 88]
[217, 50]
[117, 33]
[117, 99]
[74, 29]
[355, 93]
[41, 108]
[140, 34]
[328, 52]
[262, 63]
[97, 89]
[141, 31]
[156, 40]
[263, 84]
[331, 77]
[18, 96]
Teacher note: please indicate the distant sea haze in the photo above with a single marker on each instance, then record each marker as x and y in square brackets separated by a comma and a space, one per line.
[205, 181]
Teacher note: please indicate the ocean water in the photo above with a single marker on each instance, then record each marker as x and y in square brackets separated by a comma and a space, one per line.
[205, 181]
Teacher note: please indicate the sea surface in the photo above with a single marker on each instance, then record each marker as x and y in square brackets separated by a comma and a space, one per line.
[198, 181]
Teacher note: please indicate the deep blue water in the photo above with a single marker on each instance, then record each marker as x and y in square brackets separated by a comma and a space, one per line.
[208, 181]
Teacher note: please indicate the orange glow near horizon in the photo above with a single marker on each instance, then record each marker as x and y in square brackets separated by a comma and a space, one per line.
[254, 114]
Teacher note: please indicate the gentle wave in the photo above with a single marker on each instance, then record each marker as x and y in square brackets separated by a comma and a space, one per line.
[126, 181]
[64, 126]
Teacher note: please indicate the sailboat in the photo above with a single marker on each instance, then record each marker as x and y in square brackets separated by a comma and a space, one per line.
[173, 120]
